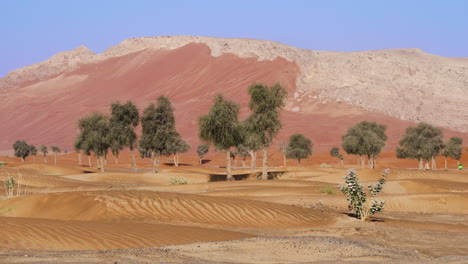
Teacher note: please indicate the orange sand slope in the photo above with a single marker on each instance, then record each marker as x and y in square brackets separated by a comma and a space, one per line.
[162, 207]
[47, 234]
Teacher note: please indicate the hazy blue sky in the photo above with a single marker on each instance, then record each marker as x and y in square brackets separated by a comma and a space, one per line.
[32, 31]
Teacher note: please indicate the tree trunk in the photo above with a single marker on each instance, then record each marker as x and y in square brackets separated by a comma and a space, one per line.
[200, 161]
[152, 161]
[102, 163]
[158, 162]
[22, 159]
[265, 164]
[363, 161]
[55, 159]
[341, 162]
[299, 162]
[427, 165]
[133, 160]
[243, 163]
[445, 162]
[80, 161]
[228, 166]
[434, 163]
[116, 160]
[421, 165]
[175, 161]
[45, 159]
[253, 161]
[89, 161]
[458, 162]
[284, 160]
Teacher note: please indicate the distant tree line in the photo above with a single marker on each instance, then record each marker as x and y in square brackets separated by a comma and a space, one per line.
[221, 128]
[23, 150]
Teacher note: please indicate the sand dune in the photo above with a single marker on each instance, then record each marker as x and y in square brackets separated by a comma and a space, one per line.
[164, 207]
[47, 234]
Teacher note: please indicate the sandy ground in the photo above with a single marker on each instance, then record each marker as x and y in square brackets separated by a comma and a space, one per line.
[67, 213]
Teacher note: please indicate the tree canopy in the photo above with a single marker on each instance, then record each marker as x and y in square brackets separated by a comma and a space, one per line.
[264, 122]
[22, 149]
[202, 150]
[124, 118]
[453, 149]
[421, 142]
[159, 133]
[94, 136]
[221, 127]
[365, 139]
[299, 147]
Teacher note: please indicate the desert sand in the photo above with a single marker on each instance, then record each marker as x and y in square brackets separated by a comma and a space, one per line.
[67, 213]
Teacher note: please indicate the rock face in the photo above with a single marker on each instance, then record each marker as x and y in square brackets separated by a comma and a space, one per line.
[405, 84]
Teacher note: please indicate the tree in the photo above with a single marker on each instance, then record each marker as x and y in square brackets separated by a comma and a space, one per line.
[221, 128]
[243, 153]
[124, 118]
[365, 139]
[335, 152]
[33, 151]
[159, 131]
[94, 136]
[422, 142]
[299, 147]
[453, 149]
[250, 141]
[202, 150]
[175, 146]
[357, 196]
[45, 151]
[55, 150]
[264, 122]
[22, 149]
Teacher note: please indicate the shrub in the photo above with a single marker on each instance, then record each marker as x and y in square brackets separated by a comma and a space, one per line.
[9, 183]
[178, 180]
[2, 164]
[327, 190]
[357, 196]
[324, 165]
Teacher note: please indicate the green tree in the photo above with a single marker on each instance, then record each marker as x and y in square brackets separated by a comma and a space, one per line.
[453, 149]
[422, 142]
[33, 151]
[299, 147]
[158, 131]
[365, 139]
[124, 118]
[176, 146]
[264, 121]
[45, 151]
[22, 149]
[335, 152]
[202, 150]
[250, 141]
[243, 152]
[221, 128]
[95, 136]
[56, 150]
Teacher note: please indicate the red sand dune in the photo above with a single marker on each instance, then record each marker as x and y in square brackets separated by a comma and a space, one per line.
[46, 112]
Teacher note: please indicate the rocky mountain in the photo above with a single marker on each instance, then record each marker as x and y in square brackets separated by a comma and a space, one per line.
[328, 90]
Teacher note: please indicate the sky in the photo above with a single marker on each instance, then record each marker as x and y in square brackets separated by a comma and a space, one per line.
[34, 30]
